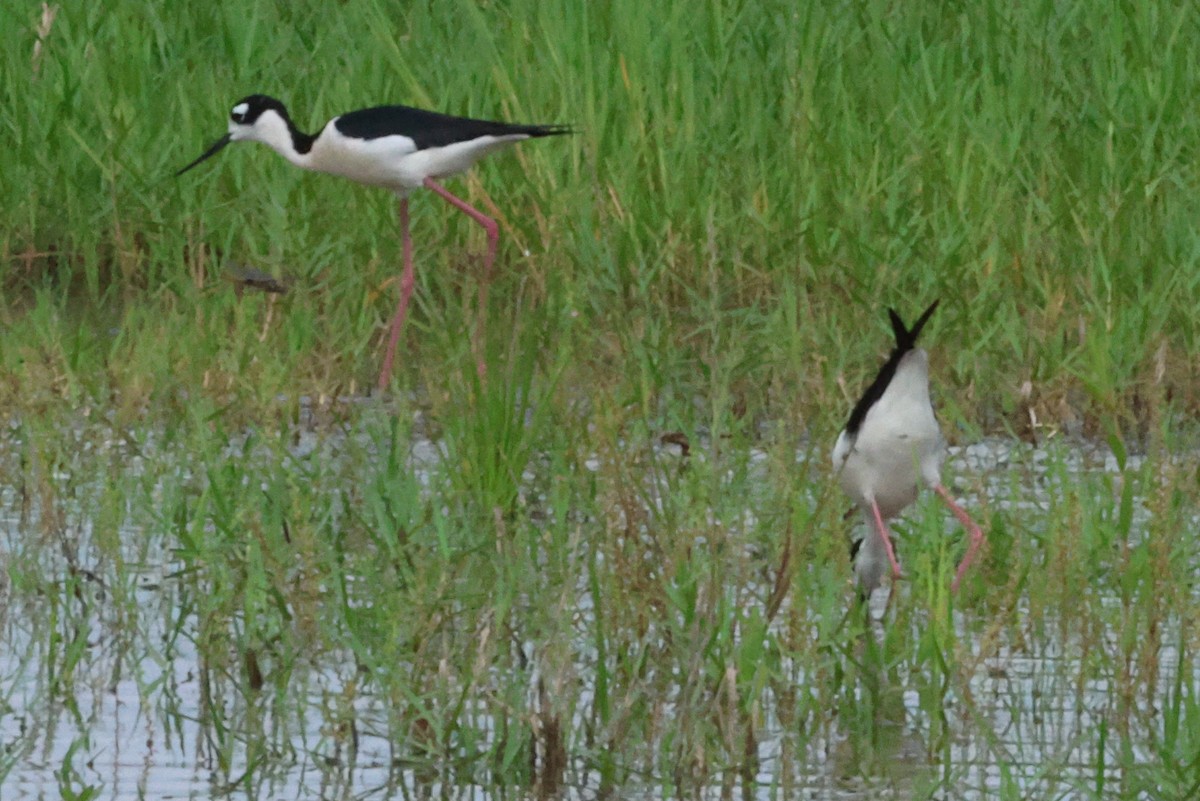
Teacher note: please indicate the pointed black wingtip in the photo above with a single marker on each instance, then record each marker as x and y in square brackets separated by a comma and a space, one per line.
[924, 318]
[906, 338]
[564, 129]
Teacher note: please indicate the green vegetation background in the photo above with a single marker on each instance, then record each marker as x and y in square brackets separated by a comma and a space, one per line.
[710, 256]
[751, 185]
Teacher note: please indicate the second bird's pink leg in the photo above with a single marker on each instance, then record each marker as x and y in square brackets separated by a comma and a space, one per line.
[407, 280]
[887, 540]
[974, 530]
[493, 237]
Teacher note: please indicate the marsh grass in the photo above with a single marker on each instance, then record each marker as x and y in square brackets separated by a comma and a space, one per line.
[513, 580]
[608, 629]
[747, 188]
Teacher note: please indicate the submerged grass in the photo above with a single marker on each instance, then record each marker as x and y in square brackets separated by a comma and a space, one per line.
[291, 595]
[517, 580]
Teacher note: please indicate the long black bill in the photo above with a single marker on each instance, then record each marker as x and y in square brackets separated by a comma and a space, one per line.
[212, 151]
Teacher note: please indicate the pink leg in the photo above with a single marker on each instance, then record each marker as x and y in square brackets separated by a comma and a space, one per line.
[887, 540]
[493, 237]
[974, 530]
[406, 287]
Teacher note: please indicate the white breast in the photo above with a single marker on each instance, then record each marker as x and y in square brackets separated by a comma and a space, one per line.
[375, 162]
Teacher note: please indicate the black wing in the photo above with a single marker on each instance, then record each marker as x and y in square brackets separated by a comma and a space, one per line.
[429, 128]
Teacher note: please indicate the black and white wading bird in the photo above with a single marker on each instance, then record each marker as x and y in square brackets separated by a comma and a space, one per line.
[394, 147]
[891, 445]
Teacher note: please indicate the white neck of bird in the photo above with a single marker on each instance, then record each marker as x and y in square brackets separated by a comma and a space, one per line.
[273, 131]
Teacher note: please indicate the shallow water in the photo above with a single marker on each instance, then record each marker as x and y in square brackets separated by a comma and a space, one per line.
[1044, 722]
[1030, 718]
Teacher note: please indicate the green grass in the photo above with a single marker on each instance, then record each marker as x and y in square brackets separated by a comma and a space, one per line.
[617, 613]
[748, 188]
[195, 476]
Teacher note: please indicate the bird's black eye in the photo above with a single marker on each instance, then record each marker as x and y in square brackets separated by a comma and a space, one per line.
[238, 116]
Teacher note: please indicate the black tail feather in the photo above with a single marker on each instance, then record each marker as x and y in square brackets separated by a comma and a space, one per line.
[549, 130]
[906, 338]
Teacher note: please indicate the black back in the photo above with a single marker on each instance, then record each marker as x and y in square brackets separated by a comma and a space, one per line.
[906, 340]
[429, 128]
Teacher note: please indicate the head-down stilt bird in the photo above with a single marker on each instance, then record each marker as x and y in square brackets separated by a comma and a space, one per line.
[891, 444]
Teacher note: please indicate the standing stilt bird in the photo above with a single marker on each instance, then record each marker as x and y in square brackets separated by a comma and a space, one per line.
[394, 147]
[891, 442]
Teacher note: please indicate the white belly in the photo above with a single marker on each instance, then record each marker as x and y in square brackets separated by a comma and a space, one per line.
[394, 162]
[895, 451]
[886, 472]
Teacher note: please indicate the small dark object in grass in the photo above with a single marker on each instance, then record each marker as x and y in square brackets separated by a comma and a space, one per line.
[253, 672]
[677, 438]
[244, 278]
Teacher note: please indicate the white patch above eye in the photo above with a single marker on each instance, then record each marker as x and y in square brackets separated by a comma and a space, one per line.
[241, 108]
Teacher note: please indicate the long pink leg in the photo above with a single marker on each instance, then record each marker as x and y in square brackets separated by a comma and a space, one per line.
[493, 237]
[974, 530]
[406, 288]
[887, 540]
